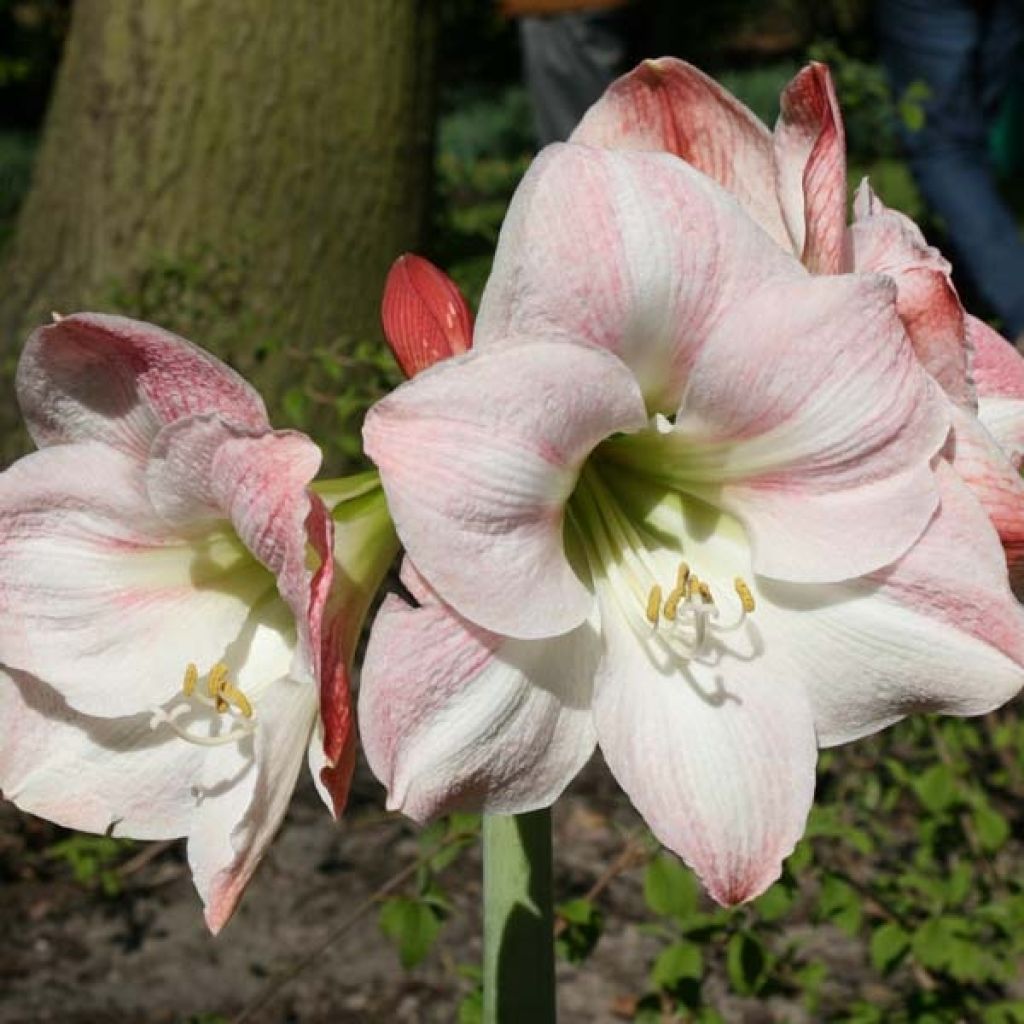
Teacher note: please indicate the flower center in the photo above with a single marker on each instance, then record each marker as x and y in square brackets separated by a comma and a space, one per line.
[222, 697]
[685, 617]
[631, 533]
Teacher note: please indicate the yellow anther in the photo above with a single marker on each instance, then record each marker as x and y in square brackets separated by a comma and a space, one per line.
[672, 603]
[682, 575]
[188, 685]
[705, 593]
[221, 705]
[236, 697]
[653, 604]
[745, 596]
[216, 678]
[693, 586]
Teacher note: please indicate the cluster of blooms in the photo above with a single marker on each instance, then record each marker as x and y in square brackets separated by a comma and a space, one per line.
[715, 480]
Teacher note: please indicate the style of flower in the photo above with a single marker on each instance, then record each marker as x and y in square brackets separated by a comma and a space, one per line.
[793, 183]
[681, 500]
[174, 628]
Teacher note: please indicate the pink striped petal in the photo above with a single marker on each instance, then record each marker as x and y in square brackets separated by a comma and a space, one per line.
[365, 546]
[810, 152]
[939, 631]
[633, 252]
[718, 759]
[996, 483]
[669, 105]
[478, 457]
[998, 370]
[206, 468]
[453, 717]
[424, 315]
[99, 596]
[91, 376]
[816, 430]
[886, 241]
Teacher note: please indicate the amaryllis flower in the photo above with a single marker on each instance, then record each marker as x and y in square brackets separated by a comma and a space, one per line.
[681, 500]
[793, 183]
[174, 629]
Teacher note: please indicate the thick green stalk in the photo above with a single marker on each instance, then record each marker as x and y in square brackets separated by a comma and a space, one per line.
[519, 960]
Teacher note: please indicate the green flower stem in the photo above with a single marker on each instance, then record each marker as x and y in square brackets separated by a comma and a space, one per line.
[519, 945]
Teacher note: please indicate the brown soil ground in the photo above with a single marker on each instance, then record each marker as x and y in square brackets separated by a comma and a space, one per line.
[71, 955]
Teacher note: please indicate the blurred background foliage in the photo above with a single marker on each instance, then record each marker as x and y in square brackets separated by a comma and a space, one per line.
[905, 903]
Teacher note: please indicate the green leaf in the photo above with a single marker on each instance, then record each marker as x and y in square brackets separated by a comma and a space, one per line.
[669, 888]
[296, 405]
[774, 903]
[432, 835]
[471, 1009]
[841, 904]
[463, 823]
[746, 963]
[992, 828]
[584, 924]
[1010, 1012]
[935, 943]
[412, 926]
[680, 962]
[888, 944]
[801, 857]
[447, 855]
[864, 1013]
[936, 788]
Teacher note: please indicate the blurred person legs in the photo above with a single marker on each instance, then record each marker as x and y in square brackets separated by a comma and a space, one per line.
[569, 59]
[966, 52]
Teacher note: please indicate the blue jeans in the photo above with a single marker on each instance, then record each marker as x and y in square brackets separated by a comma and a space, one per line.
[568, 61]
[966, 53]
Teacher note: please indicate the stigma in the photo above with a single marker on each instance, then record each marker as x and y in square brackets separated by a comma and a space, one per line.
[221, 696]
[683, 618]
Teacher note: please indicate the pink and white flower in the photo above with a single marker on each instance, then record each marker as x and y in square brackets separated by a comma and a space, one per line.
[173, 625]
[682, 500]
[793, 182]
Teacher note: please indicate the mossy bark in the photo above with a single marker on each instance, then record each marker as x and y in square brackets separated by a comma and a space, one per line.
[242, 171]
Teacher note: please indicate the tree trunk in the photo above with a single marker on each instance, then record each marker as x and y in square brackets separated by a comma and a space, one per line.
[242, 172]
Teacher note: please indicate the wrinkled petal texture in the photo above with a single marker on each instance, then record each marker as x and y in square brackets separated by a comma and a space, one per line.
[810, 151]
[719, 760]
[205, 468]
[478, 457]
[998, 370]
[669, 105]
[455, 717]
[106, 378]
[424, 315]
[637, 253]
[886, 241]
[939, 631]
[821, 444]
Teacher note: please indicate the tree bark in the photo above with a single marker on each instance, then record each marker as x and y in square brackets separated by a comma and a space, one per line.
[242, 172]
